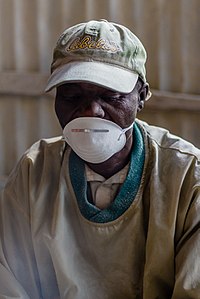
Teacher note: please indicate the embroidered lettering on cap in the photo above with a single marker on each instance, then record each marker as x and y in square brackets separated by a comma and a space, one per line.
[87, 43]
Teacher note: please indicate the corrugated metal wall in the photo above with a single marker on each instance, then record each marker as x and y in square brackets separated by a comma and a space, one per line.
[28, 31]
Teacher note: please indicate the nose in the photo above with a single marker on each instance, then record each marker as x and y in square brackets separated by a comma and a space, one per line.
[92, 109]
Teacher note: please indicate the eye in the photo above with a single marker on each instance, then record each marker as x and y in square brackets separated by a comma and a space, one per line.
[70, 98]
[112, 98]
[68, 93]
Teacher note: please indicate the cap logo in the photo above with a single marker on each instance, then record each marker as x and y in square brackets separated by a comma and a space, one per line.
[87, 43]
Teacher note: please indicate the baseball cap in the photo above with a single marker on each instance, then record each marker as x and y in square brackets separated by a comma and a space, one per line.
[99, 52]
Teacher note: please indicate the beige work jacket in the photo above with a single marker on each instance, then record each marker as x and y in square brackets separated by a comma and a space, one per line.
[49, 250]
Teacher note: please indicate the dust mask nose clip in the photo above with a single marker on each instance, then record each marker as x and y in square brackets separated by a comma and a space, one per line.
[94, 139]
[90, 130]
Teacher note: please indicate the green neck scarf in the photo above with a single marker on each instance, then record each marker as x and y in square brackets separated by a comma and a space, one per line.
[127, 192]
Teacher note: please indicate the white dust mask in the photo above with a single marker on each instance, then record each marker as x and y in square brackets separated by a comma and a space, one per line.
[95, 139]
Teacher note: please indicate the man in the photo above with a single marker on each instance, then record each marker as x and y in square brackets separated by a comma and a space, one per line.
[112, 208]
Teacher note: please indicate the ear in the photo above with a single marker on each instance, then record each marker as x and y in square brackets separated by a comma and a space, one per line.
[142, 95]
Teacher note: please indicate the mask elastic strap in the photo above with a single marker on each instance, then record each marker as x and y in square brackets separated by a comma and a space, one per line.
[125, 130]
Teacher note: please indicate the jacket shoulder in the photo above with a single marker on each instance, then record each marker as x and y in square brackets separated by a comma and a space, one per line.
[44, 157]
[49, 146]
[162, 138]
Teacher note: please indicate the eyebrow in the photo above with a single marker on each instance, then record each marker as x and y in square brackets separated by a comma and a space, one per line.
[64, 89]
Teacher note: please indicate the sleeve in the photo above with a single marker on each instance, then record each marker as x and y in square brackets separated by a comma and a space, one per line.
[18, 270]
[187, 262]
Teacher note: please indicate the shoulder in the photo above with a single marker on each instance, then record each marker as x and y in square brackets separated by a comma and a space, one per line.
[45, 153]
[43, 147]
[162, 139]
[44, 157]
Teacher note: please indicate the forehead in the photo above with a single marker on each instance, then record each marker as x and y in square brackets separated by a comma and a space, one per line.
[85, 87]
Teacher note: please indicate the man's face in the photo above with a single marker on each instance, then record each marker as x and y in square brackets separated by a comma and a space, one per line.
[75, 100]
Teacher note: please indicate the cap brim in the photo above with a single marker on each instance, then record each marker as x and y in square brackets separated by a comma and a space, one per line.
[102, 74]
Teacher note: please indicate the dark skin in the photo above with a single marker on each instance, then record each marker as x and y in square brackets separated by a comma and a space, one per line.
[75, 100]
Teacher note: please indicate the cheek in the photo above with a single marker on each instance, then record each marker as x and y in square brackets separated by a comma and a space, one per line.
[133, 109]
[62, 114]
[58, 110]
[129, 114]
[56, 107]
